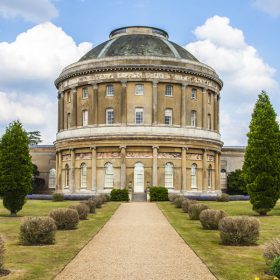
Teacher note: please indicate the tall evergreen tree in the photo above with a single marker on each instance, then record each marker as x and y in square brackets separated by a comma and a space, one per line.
[262, 157]
[15, 167]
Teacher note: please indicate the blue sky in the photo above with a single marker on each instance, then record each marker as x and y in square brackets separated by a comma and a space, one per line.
[240, 39]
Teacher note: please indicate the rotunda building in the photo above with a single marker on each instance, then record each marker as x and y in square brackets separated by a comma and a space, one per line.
[136, 111]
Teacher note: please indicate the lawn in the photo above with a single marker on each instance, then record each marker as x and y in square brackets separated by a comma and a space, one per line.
[226, 262]
[44, 262]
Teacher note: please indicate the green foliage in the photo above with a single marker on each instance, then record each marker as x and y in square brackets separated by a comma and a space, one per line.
[34, 137]
[272, 250]
[37, 230]
[172, 197]
[58, 197]
[186, 204]
[195, 210]
[2, 252]
[262, 157]
[158, 194]
[119, 195]
[224, 197]
[275, 267]
[15, 167]
[178, 201]
[210, 218]
[82, 209]
[65, 218]
[236, 183]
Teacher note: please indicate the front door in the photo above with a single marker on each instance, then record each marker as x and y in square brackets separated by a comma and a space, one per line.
[139, 177]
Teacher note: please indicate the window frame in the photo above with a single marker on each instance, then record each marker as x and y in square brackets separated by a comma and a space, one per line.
[108, 177]
[168, 90]
[136, 91]
[85, 93]
[209, 122]
[168, 110]
[193, 119]
[67, 175]
[83, 175]
[194, 94]
[85, 118]
[194, 176]
[110, 92]
[209, 177]
[110, 110]
[138, 109]
[169, 175]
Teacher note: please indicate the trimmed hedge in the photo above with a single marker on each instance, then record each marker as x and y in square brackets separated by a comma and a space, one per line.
[210, 218]
[119, 195]
[178, 201]
[224, 197]
[158, 194]
[57, 197]
[82, 210]
[98, 202]
[2, 252]
[275, 267]
[91, 203]
[65, 218]
[196, 209]
[172, 197]
[186, 204]
[272, 250]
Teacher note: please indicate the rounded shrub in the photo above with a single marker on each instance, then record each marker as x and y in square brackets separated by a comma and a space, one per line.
[2, 252]
[171, 197]
[82, 210]
[275, 267]
[186, 204]
[103, 198]
[178, 201]
[58, 197]
[210, 218]
[224, 197]
[37, 230]
[239, 230]
[91, 203]
[65, 218]
[196, 209]
[272, 250]
[98, 202]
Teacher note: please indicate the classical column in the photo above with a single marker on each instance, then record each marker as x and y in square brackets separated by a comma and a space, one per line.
[155, 100]
[183, 105]
[95, 104]
[155, 165]
[204, 171]
[56, 171]
[203, 108]
[184, 169]
[123, 167]
[93, 169]
[217, 171]
[214, 126]
[61, 111]
[218, 112]
[58, 111]
[74, 106]
[72, 171]
[123, 102]
[59, 172]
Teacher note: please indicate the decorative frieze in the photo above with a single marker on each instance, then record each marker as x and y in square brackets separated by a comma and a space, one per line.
[169, 155]
[210, 158]
[138, 155]
[66, 157]
[108, 155]
[82, 156]
[194, 156]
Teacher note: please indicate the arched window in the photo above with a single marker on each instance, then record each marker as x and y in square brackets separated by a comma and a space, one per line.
[52, 177]
[85, 118]
[168, 175]
[209, 125]
[193, 175]
[139, 177]
[68, 120]
[168, 116]
[83, 175]
[209, 176]
[193, 118]
[67, 176]
[109, 176]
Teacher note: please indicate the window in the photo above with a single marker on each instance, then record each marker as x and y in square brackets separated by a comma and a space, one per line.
[139, 89]
[85, 118]
[169, 90]
[168, 117]
[109, 116]
[193, 176]
[139, 115]
[85, 92]
[110, 90]
[168, 175]
[68, 120]
[66, 176]
[109, 176]
[194, 93]
[209, 97]
[68, 97]
[52, 177]
[209, 121]
[83, 176]
[139, 179]
[193, 118]
[210, 176]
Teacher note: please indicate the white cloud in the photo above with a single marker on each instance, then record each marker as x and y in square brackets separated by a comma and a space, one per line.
[241, 68]
[30, 10]
[271, 7]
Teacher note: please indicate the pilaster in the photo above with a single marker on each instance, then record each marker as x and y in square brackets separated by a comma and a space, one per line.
[155, 165]
[93, 170]
[183, 105]
[95, 103]
[155, 101]
[204, 171]
[72, 171]
[184, 169]
[123, 167]
[123, 102]
[217, 171]
[74, 106]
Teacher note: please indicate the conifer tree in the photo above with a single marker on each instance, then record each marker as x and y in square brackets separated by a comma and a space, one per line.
[15, 167]
[262, 157]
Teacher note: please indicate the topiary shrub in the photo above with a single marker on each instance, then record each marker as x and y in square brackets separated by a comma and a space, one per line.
[37, 230]
[186, 204]
[275, 267]
[57, 197]
[119, 195]
[158, 194]
[2, 252]
[103, 198]
[272, 250]
[196, 209]
[98, 202]
[239, 230]
[65, 218]
[82, 210]
[172, 197]
[91, 203]
[210, 218]
[224, 197]
[178, 201]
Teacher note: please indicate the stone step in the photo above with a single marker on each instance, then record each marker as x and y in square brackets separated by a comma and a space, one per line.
[139, 197]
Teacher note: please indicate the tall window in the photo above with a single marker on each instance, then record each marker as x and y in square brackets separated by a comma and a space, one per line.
[194, 93]
[139, 175]
[68, 120]
[209, 125]
[52, 177]
[139, 89]
[193, 118]
[210, 176]
[68, 96]
[168, 175]
[109, 116]
[139, 115]
[168, 90]
[168, 116]
[110, 90]
[85, 118]
[109, 176]
[83, 175]
[85, 92]
[209, 97]
[67, 176]
[193, 175]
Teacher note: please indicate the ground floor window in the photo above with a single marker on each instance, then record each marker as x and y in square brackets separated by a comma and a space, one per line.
[193, 175]
[109, 176]
[83, 175]
[67, 176]
[52, 177]
[139, 177]
[168, 175]
[210, 176]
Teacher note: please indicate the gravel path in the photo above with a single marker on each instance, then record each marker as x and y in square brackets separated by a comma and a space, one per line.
[136, 243]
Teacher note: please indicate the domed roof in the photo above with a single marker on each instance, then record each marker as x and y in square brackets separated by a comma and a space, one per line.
[138, 41]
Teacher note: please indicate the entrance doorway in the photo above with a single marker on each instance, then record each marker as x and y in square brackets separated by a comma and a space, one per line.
[139, 177]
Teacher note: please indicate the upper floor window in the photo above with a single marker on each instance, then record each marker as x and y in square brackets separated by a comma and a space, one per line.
[85, 92]
[85, 118]
[68, 120]
[68, 96]
[139, 89]
[110, 90]
[209, 97]
[169, 90]
[109, 116]
[168, 116]
[139, 115]
[193, 118]
[209, 125]
[194, 93]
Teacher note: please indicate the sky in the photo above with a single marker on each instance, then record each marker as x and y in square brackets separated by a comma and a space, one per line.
[240, 39]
